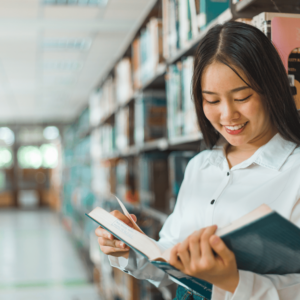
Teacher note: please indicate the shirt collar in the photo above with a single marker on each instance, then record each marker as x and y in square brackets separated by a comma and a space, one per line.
[271, 155]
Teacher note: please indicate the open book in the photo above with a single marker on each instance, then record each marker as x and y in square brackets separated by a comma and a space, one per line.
[263, 242]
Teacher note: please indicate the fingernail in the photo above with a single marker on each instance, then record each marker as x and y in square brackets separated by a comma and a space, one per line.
[215, 240]
[122, 245]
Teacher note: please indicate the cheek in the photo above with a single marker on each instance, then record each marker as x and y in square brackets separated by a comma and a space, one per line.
[210, 113]
[254, 111]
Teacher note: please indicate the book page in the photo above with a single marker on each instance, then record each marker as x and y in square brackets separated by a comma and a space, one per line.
[130, 236]
[127, 214]
[248, 218]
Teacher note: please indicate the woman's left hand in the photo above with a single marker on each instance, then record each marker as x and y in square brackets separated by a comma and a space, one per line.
[195, 257]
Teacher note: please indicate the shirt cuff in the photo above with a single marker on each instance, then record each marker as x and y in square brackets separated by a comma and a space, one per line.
[118, 262]
[242, 292]
[245, 286]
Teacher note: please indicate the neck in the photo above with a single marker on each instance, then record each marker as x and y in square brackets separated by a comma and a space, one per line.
[254, 144]
[238, 154]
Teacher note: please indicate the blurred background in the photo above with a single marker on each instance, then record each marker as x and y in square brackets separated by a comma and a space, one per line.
[95, 100]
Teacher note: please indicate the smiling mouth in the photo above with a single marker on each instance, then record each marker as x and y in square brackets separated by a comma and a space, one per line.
[235, 129]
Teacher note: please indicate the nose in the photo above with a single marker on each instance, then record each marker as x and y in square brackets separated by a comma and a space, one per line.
[229, 112]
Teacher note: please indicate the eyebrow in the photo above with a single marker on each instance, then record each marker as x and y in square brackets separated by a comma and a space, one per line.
[232, 91]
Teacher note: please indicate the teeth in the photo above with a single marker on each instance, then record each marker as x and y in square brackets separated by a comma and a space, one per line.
[236, 127]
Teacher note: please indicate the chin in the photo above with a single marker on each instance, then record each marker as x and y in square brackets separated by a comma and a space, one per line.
[235, 140]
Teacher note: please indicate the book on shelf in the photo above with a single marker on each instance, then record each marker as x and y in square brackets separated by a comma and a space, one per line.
[182, 118]
[178, 160]
[274, 244]
[123, 128]
[136, 64]
[123, 81]
[285, 37]
[282, 29]
[210, 10]
[102, 102]
[152, 182]
[147, 52]
[150, 117]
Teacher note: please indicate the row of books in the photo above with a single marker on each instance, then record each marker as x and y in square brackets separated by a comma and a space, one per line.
[77, 194]
[143, 121]
[160, 39]
[102, 102]
[182, 119]
[150, 180]
[147, 53]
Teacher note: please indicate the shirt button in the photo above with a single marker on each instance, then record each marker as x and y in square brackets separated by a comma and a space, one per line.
[228, 173]
[212, 201]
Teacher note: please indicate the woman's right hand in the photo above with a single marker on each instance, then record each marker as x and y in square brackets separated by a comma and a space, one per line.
[109, 245]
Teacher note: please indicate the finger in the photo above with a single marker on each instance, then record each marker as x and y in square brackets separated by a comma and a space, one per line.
[133, 217]
[183, 252]
[174, 259]
[100, 232]
[112, 243]
[221, 249]
[121, 217]
[194, 245]
[113, 251]
[206, 251]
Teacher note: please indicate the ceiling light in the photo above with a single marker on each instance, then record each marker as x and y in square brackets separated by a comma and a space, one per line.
[75, 2]
[7, 135]
[62, 65]
[67, 44]
[51, 133]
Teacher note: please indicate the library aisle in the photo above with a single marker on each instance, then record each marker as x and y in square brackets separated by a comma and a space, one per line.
[95, 102]
[39, 260]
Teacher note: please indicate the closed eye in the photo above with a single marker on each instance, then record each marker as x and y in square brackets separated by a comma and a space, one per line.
[240, 100]
[212, 102]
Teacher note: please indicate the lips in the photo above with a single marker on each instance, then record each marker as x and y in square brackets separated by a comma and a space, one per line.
[235, 129]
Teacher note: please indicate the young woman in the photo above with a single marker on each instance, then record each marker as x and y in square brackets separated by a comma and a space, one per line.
[250, 123]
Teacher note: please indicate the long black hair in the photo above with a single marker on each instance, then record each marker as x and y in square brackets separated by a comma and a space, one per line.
[243, 46]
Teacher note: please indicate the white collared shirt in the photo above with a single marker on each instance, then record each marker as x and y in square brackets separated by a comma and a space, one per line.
[271, 176]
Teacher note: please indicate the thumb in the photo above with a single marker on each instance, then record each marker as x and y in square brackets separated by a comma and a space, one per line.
[133, 217]
[220, 248]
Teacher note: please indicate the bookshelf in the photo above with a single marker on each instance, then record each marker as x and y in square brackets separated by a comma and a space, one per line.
[117, 159]
[254, 7]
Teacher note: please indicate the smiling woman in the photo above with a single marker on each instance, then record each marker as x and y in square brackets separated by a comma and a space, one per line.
[237, 65]
[250, 124]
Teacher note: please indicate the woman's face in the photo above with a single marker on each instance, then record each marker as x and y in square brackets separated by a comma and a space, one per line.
[235, 110]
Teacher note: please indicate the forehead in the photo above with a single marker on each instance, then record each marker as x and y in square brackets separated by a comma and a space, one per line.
[218, 77]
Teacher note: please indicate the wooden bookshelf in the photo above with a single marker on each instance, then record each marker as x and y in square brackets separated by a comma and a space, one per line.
[159, 144]
[253, 7]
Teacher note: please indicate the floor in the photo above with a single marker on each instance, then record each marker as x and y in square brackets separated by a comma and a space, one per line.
[38, 260]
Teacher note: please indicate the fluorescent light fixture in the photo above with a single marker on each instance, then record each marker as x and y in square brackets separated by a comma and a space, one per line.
[57, 81]
[101, 3]
[62, 65]
[67, 44]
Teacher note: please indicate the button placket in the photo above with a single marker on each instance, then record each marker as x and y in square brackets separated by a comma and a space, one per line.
[213, 201]
[211, 208]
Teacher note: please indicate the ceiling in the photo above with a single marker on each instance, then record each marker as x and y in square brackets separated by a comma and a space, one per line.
[52, 56]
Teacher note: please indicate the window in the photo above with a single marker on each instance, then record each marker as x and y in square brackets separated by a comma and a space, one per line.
[6, 158]
[33, 157]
